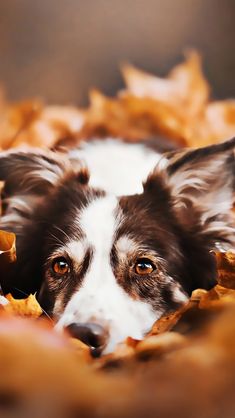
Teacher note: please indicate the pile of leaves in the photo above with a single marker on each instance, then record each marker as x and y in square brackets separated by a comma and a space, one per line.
[178, 107]
[186, 365]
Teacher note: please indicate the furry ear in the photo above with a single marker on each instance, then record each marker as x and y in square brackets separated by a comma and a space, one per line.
[31, 172]
[202, 185]
[28, 177]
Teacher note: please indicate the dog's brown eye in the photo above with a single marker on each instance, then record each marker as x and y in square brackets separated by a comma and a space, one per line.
[60, 266]
[144, 266]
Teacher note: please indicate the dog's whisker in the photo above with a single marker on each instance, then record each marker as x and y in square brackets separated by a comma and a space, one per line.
[62, 231]
[57, 240]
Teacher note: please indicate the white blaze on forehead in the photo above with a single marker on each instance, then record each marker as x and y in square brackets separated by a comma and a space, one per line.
[115, 166]
[98, 222]
[100, 298]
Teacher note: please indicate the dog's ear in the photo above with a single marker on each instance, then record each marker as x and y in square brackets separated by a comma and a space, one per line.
[201, 183]
[28, 177]
[31, 172]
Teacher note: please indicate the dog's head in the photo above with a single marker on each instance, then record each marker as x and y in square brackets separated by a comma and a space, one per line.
[107, 267]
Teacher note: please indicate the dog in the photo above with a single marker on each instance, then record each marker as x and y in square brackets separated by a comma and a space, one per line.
[112, 235]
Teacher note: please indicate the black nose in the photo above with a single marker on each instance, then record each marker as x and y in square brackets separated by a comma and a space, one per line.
[94, 335]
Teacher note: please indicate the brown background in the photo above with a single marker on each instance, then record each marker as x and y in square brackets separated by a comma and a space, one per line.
[57, 49]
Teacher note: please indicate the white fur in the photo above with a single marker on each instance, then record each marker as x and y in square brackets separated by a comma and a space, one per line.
[116, 167]
[101, 299]
[3, 300]
[178, 294]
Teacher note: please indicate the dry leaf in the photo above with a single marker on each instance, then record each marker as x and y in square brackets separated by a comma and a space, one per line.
[168, 321]
[132, 118]
[226, 269]
[17, 119]
[23, 307]
[185, 89]
[7, 250]
[81, 349]
[31, 123]
[156, 345]
[177, 107]
[217, 298]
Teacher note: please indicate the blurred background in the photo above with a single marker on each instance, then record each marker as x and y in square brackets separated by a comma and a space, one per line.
[58, 49]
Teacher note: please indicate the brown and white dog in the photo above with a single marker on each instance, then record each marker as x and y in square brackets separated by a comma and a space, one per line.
[112, 235]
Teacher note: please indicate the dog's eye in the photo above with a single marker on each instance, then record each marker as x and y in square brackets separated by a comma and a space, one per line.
[60, 266]
[144, 266]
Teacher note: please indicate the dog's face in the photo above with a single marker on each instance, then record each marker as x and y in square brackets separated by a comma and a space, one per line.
[113, 265]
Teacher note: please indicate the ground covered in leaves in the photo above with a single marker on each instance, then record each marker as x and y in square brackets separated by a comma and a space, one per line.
[186, 365]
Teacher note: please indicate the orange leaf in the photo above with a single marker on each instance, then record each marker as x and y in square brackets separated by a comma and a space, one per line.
[23, 307]
[7, 249]
[226, 269]
[185, 88]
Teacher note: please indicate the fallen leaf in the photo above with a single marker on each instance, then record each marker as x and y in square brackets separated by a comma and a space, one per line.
[226, 269]
[217, 298]
[132, 118]
[156, 345]
[23, 307]
[32, 123]
[184, 89]
[81, 349]
[177, 107]
[7, 250]
[168, 321]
